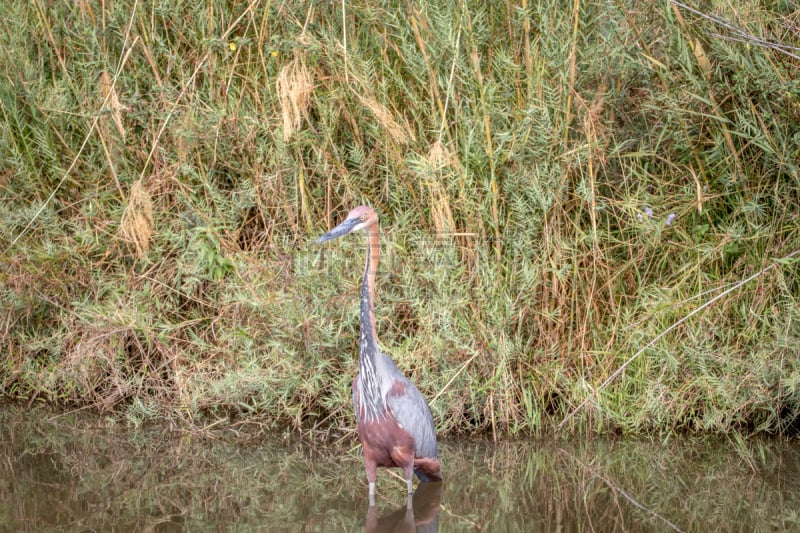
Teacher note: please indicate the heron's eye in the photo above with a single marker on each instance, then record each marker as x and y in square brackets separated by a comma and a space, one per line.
[362, 218]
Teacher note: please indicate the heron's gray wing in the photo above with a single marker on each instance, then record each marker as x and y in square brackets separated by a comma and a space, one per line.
[412, 412]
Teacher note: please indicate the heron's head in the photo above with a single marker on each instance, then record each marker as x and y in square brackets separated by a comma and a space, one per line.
[359, 218]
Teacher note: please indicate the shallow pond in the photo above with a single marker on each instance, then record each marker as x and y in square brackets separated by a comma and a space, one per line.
[82, 473]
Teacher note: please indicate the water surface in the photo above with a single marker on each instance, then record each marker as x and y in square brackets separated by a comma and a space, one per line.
[74, 472]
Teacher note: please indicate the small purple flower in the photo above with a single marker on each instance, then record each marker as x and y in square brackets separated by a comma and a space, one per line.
[670, 218]
[649, 212]
[640, 217]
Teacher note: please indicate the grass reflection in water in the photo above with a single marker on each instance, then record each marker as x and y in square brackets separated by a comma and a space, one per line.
[73, 472]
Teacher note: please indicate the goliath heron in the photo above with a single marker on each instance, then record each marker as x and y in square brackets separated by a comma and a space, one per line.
[394, 422]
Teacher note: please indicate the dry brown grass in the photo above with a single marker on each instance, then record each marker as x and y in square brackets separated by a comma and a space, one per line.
[90, 372]
[400, 133]
[294, 87]
[136, 225]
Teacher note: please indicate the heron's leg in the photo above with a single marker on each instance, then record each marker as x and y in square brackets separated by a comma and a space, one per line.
[372, 470]
[409, 473]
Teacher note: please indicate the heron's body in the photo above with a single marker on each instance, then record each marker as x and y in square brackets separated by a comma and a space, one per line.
[394, 422]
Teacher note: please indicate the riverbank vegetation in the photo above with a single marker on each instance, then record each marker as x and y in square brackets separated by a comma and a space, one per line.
[589, 210]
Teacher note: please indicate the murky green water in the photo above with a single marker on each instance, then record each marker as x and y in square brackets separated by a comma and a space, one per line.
[81, 473]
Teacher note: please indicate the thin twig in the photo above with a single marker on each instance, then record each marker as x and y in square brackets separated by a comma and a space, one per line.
[109, 94]
[123, 59]
[463, 366]
[344, 40]
[743, 35]
[622, 368]
[450, 84]
[627, 496]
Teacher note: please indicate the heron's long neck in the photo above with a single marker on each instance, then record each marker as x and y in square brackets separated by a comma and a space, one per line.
[371, 393]
[368, 289]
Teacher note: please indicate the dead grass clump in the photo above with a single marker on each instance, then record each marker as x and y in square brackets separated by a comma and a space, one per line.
[440, 157]
[294, 86]
[112, 102]
[137, 220]
[401, 134]
[105, 366]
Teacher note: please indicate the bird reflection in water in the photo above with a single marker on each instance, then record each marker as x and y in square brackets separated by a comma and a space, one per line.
[420, 513]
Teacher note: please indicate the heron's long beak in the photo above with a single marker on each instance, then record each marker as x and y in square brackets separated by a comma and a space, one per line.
[342, 229]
